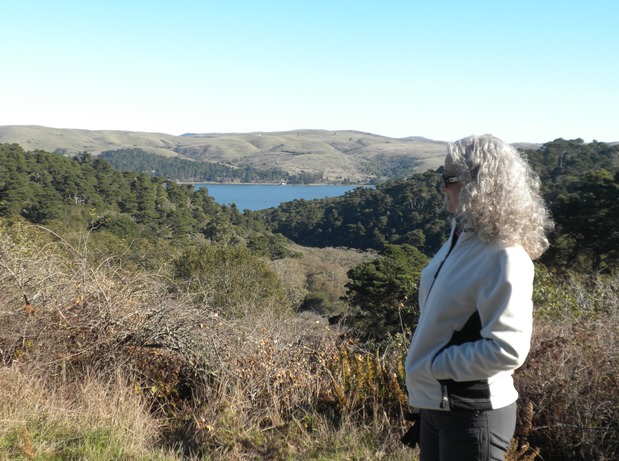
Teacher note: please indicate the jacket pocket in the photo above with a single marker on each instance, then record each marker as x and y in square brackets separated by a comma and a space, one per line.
[466, 395]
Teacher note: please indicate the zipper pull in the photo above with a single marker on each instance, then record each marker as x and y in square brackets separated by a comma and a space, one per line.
[444, 397]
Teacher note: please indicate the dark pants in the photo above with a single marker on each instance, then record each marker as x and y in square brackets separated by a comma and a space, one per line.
[466, 435]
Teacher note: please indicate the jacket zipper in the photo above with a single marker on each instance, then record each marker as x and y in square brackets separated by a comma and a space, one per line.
[444, 397]
[444, 394]
[438, 270]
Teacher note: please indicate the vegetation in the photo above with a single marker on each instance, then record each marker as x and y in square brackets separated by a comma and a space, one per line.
[141, 320]
[580, 183]
[187, 170]
[383, 293]
[349, 157]
[396, 212]
[568, 385]
[86, 192]
[217, 384]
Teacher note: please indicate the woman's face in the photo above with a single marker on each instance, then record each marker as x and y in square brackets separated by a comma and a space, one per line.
[450, 189]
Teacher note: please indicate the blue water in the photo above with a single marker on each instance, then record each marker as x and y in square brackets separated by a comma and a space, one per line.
[261, 196]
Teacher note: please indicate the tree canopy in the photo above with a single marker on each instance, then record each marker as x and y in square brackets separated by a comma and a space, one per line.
[579, 183]
[404, 211]
[383, 292]
[88, 192]
[180, 169]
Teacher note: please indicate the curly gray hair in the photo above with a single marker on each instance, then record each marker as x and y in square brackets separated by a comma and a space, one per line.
[500, 196]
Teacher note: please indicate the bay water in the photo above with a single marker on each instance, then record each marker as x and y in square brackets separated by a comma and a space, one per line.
[260, 196]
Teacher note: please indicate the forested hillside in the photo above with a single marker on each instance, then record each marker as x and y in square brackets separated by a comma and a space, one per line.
[194, 171]
[85, 192]
[580, 183]
[396, 212]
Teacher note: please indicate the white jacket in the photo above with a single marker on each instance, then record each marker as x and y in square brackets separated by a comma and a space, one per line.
[475, 326]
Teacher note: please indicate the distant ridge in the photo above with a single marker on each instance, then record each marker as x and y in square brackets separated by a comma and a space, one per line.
[342, 154]
[338, 155]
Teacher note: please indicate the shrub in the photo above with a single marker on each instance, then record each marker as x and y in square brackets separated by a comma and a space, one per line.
[383, 293]
[230, 280]
[226, 371]
[570, 378]
[231, 386]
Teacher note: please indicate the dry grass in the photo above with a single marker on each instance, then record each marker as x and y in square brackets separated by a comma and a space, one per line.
[320, 270]
[108, 363]
[74, 141]
[282, 384]
[570, 380]
[93, 420]
[216, 387]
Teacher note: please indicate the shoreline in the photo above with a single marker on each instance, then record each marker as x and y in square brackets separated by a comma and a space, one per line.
[212, 183]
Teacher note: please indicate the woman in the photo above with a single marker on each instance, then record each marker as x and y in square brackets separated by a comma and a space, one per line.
[475, 299]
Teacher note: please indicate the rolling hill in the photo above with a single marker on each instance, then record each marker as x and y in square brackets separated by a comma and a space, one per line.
[352, 155]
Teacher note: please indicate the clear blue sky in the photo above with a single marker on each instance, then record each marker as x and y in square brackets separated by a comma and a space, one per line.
[528, 70]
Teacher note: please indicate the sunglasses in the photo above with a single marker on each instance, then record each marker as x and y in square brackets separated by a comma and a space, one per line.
[449, 179]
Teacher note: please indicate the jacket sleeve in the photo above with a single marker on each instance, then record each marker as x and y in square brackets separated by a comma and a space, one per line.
[506, 310]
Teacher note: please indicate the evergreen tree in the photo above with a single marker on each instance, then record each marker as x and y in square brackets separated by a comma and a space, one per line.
[383, 292]
[587, 232]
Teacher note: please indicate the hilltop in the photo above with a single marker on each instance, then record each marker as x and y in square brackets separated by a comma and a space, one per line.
[355, 155]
